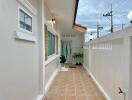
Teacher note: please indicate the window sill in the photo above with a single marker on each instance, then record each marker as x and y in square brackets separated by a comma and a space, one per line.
[50, 59]
[25, 36]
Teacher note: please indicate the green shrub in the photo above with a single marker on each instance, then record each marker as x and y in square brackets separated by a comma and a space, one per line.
[62, 59]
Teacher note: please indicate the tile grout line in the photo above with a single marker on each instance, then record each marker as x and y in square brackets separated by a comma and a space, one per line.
[75, 84]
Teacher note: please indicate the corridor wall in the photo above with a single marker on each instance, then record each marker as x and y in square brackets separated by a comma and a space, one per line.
[52, 64]
[109, 63]
[19, 63]
[76, 42]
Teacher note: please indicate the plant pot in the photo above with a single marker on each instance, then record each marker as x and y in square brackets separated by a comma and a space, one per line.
[76, 63]
[63, 68]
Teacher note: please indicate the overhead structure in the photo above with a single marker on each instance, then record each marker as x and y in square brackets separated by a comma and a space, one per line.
[63, 14]
[80, 28]
[77, 26]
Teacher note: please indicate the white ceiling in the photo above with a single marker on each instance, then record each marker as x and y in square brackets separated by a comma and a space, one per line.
[63, 12]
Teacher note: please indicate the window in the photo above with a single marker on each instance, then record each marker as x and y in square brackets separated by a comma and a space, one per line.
[51, 44]
[25, 21]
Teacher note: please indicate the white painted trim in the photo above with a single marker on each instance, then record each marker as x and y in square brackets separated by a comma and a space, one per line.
[51, 59]
[21, 29]
[48, 85]
[42, 46]
[25, 36]
[97, 83]
[115, 35]
[90, 58]
[40, 97]
[86, 68]
[26, 4]
[50, 56]
[100, 87]
[52, 30]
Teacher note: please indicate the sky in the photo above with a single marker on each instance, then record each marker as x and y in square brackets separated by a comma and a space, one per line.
[90, 12]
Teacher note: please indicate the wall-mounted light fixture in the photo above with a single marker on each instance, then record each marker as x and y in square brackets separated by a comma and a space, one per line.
[53, 20]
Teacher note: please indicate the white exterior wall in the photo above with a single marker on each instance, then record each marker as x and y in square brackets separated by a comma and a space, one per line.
[19, 60]
[24, 73]
[53, 65]
[77, 43]
[130, 71]
[50, 69]
[109, 62]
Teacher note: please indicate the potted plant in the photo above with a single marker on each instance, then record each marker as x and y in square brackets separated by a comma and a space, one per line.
[62, 61]
[75, 58]
[78, 58]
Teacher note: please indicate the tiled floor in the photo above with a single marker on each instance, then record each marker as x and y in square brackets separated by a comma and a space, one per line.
[74, 84]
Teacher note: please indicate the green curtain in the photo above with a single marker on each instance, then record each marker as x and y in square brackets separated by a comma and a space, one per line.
[66, 49]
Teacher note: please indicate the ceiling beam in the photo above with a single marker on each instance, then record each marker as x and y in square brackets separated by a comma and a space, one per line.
[79, 28]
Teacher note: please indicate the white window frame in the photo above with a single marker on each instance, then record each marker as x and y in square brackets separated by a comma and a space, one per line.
[53, 56]
[21, 33]
[25, 11]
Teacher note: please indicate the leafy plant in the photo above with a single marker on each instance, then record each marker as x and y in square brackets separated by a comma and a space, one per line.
[77, 57]
[62, 59]
[80, 56]
[74, 55]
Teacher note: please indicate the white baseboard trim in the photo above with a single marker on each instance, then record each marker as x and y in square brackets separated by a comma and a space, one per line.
[47, 86]
[100, 87]
[86, 68]
[40, 97]
[97, 83]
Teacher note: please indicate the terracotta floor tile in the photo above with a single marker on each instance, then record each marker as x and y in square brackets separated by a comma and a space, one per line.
[74, 84]
[60, 98]
[81, 98]
[49, 98]
[71, 98]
